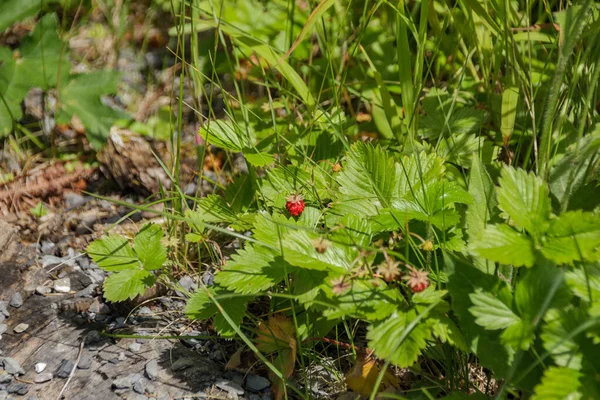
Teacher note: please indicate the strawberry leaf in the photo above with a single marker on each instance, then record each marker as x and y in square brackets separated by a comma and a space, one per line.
[396, 340]
[113, 253]
[524, 197]
[503, 244]
[490, 312]
[127, 284]
[148, 247]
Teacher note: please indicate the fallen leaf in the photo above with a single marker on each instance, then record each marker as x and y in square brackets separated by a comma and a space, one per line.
[277, 336]
[364, 375]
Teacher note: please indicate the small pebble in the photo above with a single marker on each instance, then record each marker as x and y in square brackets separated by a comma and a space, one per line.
[99, 308]
[140, 386]
[93, 337]
[5, 377]
[16, 300]
[122, 356]
[135, 347]
[182, 364]
[122, 383]
[230, 387]
[21, 328]
[151, 369]
[85, 362]
[42, 290]
[3, 328]
[64, 369]
[18, 388]
[43, 377]
[62, 285]
[4, 309]
[3, 395]
[12, 366]
[40, 367]
[257, 383]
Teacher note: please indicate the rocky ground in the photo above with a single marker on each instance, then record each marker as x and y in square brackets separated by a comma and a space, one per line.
[53, 335]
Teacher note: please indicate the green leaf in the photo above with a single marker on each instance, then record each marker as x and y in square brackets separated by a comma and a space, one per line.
[224, 134]
[81, 97]
[481, 188]
[396, 341]
[299, 250]
[213, 208]
[558, 383]
[35, 65]
[200, 306]
[585, 284]
[148, 247]
[491, 312]
[127, 284]
[19, 10]
[503, 244]
[573, 236]
[252, 270]
[510, 99]
[418, 169]
[369, 181]
[524, 197]
[558, 325]
[570, 171]
[463, 280]
[113, 253]
[365, 301]
[240, 193]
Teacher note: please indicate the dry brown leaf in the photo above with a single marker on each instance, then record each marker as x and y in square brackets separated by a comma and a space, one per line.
[364, 375]
[235, 361]
[278, 337]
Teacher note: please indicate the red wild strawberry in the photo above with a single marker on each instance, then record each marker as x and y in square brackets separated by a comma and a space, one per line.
[417, 280]
[295, 204]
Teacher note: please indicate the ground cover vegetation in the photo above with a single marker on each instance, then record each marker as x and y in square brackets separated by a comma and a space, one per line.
[419, 200]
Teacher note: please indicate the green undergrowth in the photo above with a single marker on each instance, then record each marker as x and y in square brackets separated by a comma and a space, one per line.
[420, 188]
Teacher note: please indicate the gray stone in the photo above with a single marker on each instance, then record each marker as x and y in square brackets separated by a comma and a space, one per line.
[93, 337]
[99, 308]
[122, 383]
[43, 377]
[64, 369]
[29, 290]
[16, 300]
[96, 275]
[151, 369]
[73, 200]
[230, 387]
[87, 292]
[62, 285]
[21, 328]
[48, 247]
[5, 377]
[140, 386]
[85, 362]
[188, 284]
[4, 309]
[257, 383]
[135, 347]
[182, 364]
[12, 366]
[43, 290]
[84, 262]
[3, 395]
[2, 317]
[3, 328]
[18, 388]
[50, 261]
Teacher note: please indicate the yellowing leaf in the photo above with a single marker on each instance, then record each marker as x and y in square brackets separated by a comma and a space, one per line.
[364, 375]
[278, 336]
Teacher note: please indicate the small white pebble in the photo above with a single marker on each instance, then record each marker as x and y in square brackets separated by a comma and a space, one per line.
[40, 367]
